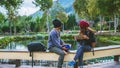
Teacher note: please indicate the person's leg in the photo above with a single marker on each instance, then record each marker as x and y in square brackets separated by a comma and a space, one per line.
[79, 53]
[60, 53]
[85, 48]
[81, 59]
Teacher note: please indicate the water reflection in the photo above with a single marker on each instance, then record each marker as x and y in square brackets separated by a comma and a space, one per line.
[23, 44]
[18, 45]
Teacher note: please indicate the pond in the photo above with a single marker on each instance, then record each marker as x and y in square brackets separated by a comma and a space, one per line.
[23, 44]
[19, 45]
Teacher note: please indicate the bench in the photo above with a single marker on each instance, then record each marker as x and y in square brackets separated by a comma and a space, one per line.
[113, 50]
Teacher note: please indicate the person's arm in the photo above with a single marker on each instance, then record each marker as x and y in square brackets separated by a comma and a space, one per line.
[62, 42]
[55, 40]
[93, 31]
[81, 36]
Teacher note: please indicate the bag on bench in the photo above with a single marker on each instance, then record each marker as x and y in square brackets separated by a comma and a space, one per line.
[35, 47]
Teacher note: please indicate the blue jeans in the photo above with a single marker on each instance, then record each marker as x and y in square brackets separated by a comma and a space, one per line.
[60, 53]
[80, 52]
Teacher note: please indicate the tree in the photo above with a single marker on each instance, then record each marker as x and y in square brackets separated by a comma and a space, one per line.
[71, 23]
[80, 7]
[55, 9]
[11, 6]
[2, 17]
[27, 23]
[40, 25]
[92, 9]
[109, 9]
[44, 6]
[86, 8]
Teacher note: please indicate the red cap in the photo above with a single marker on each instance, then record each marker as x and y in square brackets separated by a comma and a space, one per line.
[83, 23]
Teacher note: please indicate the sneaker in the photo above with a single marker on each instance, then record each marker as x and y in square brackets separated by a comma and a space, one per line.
[71, 63]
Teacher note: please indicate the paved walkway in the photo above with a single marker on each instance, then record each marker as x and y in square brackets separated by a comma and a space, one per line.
[98, 65]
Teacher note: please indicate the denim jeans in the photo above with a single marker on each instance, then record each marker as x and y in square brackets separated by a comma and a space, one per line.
[80, 52]
[60, 53]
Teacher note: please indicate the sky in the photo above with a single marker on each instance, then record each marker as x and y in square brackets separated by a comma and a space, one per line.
[27, 8]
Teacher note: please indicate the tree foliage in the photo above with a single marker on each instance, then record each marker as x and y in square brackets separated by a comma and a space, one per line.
[86, 8]
[11, 6]
[108, 7]
[43, 4]
[55, 9]
[71, 23]
[2, 17]
[91, 8]
[62, 16]
[80, 7]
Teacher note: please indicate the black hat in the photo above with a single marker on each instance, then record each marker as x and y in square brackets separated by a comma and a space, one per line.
[57, 23]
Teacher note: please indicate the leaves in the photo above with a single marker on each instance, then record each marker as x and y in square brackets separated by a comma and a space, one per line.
[43, 4]
[108, 7]
[62, 16]
[91, 8]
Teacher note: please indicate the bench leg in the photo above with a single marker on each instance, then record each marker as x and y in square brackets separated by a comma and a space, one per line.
[17, 63]
[116, 58]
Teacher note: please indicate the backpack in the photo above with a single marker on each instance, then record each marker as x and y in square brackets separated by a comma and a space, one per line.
[35, 47]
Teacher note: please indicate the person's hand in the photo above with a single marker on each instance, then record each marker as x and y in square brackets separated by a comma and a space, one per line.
[85, 37]
[64, 48]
